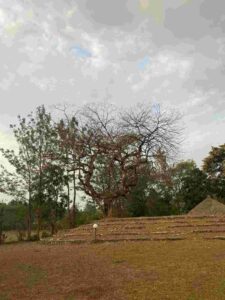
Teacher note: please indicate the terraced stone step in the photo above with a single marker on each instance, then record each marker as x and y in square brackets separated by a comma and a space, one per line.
[208, 231]
[146, 228]
[178, 217]
[215, 238]
[56, 242]
[197, 225]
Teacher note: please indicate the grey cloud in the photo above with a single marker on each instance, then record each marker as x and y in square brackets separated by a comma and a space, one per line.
[191, 24]
[108, 12]
[214, 11]
[11, 56]
[214, 79]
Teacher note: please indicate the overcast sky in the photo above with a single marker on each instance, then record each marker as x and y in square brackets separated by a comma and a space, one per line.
[169, 52]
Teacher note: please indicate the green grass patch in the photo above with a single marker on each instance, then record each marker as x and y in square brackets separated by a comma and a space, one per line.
[3, 296]
[118, 261]
[72, 297]
[221, 289]
[192, 297]
[33, 274]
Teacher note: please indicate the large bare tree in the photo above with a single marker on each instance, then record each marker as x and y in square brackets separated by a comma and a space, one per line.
[113, 146]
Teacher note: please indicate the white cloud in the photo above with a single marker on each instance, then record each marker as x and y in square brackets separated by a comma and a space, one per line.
[26, 68]
[163, 65]
[100, 53]
[7, 82]
[2, 17]
[44, 83]
[70, 12]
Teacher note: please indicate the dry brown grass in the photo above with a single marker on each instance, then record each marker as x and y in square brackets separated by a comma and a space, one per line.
[158, 266]
[178, 270]
[125, 270]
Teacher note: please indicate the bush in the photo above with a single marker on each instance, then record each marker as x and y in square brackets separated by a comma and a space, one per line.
[3, 237]
[20, 235]
[63, 223]
[34, 238]
[45, 234]
[86, 217]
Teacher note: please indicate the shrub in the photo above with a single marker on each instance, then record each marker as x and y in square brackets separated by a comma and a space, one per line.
[20, 235]
[3, 237]
[45, 234]
[34, 238]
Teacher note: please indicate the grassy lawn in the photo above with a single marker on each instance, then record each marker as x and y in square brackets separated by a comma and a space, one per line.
[187, 269]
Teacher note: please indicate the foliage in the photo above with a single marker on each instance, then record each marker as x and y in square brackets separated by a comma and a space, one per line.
[214, 163]
[190, 186]
[214, 167]
[45, 234]
[38, 176]
[172, 189]
[137, 205]
[88, 214]
[14, 217]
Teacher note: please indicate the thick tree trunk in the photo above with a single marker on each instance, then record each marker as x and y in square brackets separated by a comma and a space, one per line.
[38, 216]
[73, 213]
[107, 209]
[53, 221]
[1, 225]
[52, 228]
[28, 227]
[29, 219]
[68, 200]
[40, 192]
[73, 217]
[1, 235]
[119, 209]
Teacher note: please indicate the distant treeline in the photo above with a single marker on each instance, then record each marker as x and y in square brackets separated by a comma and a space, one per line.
[13, 217]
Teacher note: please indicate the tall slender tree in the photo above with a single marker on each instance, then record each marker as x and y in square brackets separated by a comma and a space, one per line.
[19, 182]
[68, 130]
[37, 167]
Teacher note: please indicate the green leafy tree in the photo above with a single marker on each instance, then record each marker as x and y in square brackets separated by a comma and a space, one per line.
[37, 175]
[152, 194]
[88, 214]
[19, 183]
[54, 205]
[68, 131]
[190, 186]
[137, 205]
[15, 214]
[214, 167]
[47, 168]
